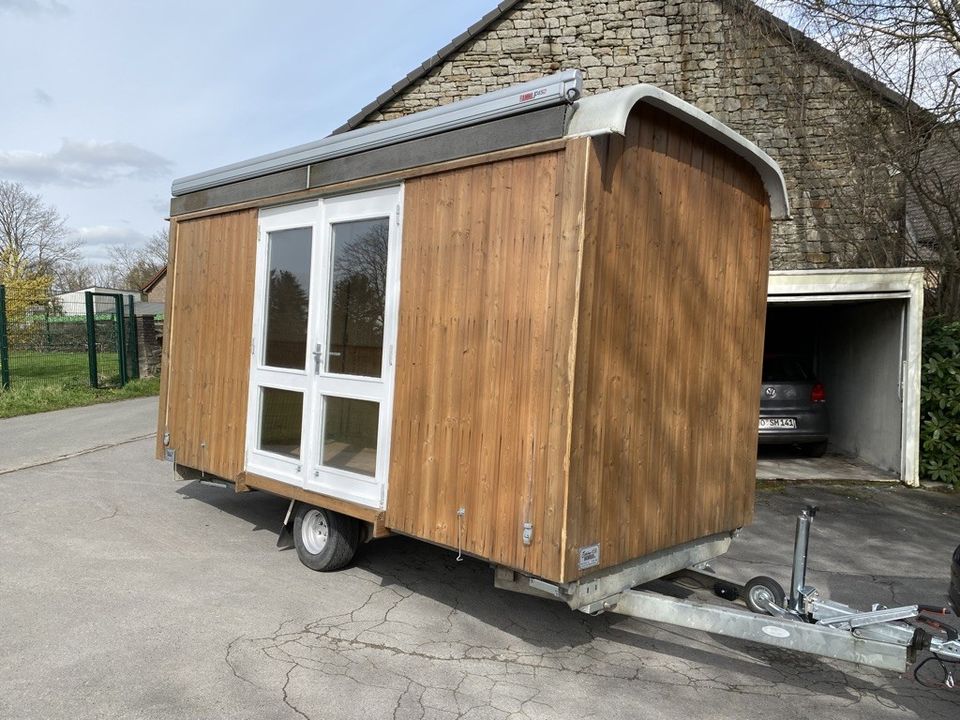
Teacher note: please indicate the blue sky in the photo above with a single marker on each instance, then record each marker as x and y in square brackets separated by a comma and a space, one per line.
[104, 102]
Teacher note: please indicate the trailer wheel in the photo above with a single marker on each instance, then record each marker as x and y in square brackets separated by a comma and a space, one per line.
[325, 540]
[760, 592]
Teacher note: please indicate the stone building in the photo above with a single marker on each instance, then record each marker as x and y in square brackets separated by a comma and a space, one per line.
[812, 112]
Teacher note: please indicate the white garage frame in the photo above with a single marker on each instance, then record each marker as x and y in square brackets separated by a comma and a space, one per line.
[905, 284]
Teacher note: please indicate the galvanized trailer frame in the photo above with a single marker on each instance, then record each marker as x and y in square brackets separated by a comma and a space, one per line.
[884, 638]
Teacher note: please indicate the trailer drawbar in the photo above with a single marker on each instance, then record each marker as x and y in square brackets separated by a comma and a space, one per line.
[889, 638]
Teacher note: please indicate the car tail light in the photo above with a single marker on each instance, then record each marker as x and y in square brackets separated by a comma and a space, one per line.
[818, 393]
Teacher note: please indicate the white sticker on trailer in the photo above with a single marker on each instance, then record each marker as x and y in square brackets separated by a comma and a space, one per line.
[589, 556]
[774, 631]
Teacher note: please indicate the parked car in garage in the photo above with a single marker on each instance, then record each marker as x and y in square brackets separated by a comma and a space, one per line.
[793, 405]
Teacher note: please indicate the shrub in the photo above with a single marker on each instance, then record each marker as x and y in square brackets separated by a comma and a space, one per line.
[940, 402]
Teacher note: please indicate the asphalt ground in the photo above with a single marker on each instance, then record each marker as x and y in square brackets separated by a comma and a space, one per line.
[125, 593]
[45, 437]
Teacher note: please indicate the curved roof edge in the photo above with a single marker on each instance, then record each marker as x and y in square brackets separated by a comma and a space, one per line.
[608, 112]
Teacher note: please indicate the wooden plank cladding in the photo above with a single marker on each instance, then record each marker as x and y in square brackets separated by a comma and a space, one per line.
[671, 323]
[611, 404]
[578, 350]
[204, 393]
[482, 392]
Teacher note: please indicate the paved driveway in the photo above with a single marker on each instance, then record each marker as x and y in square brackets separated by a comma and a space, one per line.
[33, 439]
[127, 594]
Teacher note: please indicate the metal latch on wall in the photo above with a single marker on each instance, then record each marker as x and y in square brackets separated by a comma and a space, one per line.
[460, 513]
[527, 533]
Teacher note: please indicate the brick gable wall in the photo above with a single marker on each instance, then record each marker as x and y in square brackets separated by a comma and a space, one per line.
[722, 56]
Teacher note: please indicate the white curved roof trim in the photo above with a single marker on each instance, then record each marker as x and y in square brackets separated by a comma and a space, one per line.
[608, 112]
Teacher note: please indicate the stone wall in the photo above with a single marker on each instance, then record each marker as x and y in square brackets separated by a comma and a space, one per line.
[149, 344]
[730, 60]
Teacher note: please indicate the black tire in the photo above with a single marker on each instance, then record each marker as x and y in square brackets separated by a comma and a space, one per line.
[817, 449]
[760, 591]
[325, 540]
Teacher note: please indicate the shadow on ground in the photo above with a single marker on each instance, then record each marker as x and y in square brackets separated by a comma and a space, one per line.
[419, 618]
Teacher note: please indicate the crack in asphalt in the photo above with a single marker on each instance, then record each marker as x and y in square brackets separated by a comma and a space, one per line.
[286, 697]
[444, 646]
[112, 515]
[78, 453]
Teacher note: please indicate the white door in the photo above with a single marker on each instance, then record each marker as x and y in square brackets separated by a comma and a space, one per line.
[325, 325]
[355, 328]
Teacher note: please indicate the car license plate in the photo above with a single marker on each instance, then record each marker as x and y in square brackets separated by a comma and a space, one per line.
[778, 423]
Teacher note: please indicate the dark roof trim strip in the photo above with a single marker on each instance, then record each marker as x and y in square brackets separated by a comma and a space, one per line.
[548, 123]
[559, 89]
[600, 114]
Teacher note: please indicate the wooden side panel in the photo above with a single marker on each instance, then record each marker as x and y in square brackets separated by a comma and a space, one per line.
[489, 268]
[670, 341]
[207, 350]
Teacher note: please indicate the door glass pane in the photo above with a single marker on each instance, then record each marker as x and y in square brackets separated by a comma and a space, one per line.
[288, 294]
[358, 296]
[350, 435]
[281, 417]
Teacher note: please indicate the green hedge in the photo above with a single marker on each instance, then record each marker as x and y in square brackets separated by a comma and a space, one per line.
[940, 402]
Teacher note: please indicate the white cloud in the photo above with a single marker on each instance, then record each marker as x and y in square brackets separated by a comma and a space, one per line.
[110, 235]
[40, 97]
[34, 7]
[84, 163]
[160, 204]
[96, 241]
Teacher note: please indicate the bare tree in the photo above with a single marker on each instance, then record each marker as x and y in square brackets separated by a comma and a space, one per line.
[912, 47]
[33, 235]
[75, 276]
[133, 267]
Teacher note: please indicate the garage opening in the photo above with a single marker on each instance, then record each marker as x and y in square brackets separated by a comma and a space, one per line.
[854, 336]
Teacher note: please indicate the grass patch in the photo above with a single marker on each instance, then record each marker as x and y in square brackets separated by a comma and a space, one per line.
[41, 396]
[59, 367]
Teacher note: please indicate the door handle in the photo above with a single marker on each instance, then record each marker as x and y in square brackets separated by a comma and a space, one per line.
[317, 358]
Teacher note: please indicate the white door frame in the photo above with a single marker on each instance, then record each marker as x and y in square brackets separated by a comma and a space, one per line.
[365, 490]
[308, 472]
[272, 465]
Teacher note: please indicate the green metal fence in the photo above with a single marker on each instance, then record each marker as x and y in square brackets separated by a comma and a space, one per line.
[68, 339]
[111, 339]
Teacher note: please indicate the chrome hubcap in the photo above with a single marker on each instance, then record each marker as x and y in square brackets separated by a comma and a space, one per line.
[761, 596]
[314, 531]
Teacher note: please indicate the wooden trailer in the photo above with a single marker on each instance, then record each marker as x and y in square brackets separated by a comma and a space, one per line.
[527, 327]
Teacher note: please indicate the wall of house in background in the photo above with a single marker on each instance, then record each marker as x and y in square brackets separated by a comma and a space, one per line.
[732, 61]
[158, 292]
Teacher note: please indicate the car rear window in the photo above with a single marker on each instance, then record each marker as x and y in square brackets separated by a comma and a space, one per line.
[784, 368]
